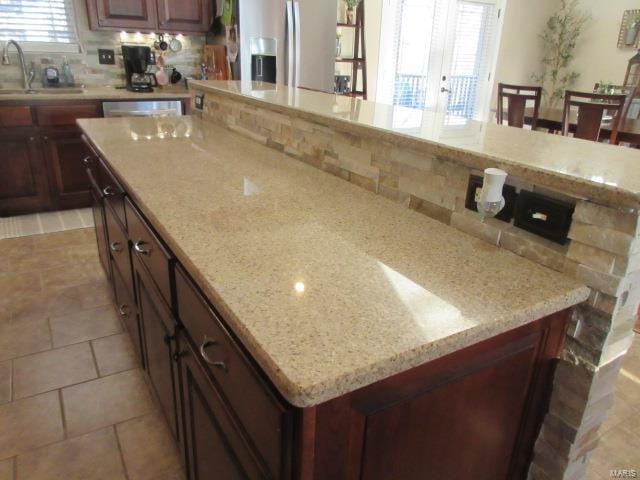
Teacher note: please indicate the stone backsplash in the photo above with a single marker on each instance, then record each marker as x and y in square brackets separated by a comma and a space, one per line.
[85, 66]
[603, 252]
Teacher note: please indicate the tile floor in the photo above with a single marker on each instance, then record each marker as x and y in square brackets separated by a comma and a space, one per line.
[45, 222]
[73, 403]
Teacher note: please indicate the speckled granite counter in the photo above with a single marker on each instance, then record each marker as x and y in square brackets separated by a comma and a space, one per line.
[585, 169]
[94, 93]
[329, 286]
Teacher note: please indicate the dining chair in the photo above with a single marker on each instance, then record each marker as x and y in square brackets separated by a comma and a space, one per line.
[517, 97]
[591, 112]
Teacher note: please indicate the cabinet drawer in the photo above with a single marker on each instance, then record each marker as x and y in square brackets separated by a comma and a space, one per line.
[119, 247]
[148, 248]
[264, 418]
[112, 192]
[66, 114]
[129, 313]
[19, 116]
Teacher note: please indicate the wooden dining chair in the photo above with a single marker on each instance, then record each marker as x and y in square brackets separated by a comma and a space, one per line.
[591, 109]
[517, 97]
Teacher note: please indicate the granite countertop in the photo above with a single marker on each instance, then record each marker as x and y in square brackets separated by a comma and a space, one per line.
[600, 172]
[94, 93]
[330, 287]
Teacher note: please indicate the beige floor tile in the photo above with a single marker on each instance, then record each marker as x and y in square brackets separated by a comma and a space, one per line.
[114, 354]
[6, 469]
[28, 262]
[105, 401]
[68, 238]
[175, 473]
[93, 456]
[85, 325]
[19, 284]
[79, 273]
[53, 369]
[147, 447]
[16, 246]
[58, 301]
[30, 423]
[5, 382]
[20, 337]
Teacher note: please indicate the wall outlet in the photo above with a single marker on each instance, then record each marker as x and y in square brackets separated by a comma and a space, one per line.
[106, 57]
[198, 101]
[508, 192]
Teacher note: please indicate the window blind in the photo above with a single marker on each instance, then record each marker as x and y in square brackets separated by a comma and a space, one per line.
[44, 21]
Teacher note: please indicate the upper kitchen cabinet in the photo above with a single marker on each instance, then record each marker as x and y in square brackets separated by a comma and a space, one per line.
[176, 16]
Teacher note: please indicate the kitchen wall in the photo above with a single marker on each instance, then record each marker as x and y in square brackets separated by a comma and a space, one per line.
[597, 55]
[85, 65]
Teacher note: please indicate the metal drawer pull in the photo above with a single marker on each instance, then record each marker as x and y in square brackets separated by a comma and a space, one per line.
[87, 160]
[115, 247]
[109, 191]
[123, 310]
[138, 247]
[208, 343]
[539, 216]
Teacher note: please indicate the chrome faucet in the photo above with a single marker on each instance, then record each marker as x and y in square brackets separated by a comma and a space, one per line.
[27, 77]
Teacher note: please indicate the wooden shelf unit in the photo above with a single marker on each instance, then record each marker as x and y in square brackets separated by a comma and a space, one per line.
[359, 60]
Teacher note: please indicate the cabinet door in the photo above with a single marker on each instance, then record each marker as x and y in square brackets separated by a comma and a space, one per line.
[65, 155]
[214, 448]
[129, 313]
[116, 14]
[158, 329]
[101, 231]
[23, 176]
[184, 15]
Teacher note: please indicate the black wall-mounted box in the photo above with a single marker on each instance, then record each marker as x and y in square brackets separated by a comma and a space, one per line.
[508, 192]
[545, 216]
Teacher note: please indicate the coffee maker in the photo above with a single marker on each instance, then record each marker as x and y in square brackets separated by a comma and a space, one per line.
[136, 63]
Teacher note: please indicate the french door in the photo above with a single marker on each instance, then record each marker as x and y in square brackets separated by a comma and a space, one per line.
[441, 54]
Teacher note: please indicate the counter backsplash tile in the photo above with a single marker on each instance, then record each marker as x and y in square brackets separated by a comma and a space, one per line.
[603, 252]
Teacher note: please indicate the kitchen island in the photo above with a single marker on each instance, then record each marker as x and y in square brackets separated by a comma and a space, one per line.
[296, 326]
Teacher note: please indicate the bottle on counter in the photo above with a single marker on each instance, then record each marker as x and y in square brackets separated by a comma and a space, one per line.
[67, 74]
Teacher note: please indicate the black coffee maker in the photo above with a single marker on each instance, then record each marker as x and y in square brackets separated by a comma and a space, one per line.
[136, 63]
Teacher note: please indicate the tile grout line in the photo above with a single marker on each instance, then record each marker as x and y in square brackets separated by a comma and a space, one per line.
[95, 360]
[63, 416]
[124, 465]
[11, 392]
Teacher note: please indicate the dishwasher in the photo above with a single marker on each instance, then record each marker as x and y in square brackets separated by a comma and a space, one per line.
[144, 108]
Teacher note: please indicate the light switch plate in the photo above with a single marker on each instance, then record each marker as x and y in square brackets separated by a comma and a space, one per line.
[106, 57]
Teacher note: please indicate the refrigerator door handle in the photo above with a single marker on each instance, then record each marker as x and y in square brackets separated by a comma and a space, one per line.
[291, 45]
[296, 19]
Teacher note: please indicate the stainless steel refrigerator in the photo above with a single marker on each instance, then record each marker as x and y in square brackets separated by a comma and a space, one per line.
[299, 34]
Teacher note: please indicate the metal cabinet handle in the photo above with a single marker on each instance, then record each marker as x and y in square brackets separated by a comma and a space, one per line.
[109, 191]
[115, 247]
[123, 310]
[87, 160]
[45, 138]
[207, 342]
[138, 247]
[31, 139]
[443, 90]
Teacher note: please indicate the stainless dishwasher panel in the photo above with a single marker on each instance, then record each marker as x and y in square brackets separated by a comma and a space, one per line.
[145, 108]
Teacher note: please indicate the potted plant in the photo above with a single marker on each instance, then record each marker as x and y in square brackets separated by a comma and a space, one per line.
[351, 11]
[632, 30]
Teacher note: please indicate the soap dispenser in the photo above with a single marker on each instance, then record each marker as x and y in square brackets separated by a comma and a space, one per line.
[67, 74]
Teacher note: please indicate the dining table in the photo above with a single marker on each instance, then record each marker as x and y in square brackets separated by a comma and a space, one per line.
[550, 118]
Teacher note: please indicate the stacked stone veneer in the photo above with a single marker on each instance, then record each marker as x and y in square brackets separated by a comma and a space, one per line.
[604, 253]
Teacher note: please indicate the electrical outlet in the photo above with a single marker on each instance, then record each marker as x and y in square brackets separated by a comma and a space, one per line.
[473, 195]
[106, 57]
[198, 100]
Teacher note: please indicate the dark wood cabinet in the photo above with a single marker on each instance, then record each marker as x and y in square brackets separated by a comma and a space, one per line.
[172, 16]
[184, 16]
[214, 447]
[65, 155]
[122, 14]
[24, 187]
[97, 206]
[158, 334]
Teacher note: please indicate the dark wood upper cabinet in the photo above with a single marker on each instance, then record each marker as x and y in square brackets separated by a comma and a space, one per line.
[119, 14]
[172, 16]
[23, 179]
[65, 155]
[184, 16]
